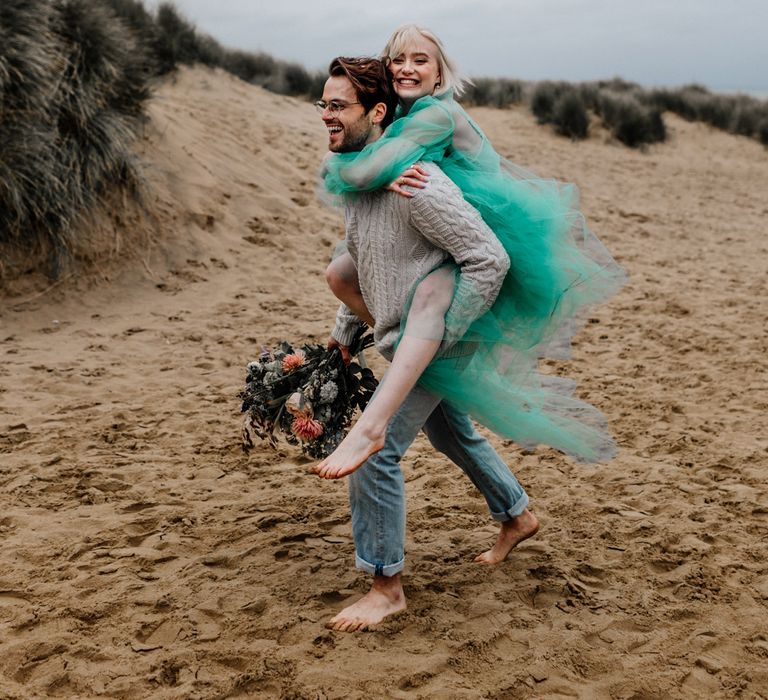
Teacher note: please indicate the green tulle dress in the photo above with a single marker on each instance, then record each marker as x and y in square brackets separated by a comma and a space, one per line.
[558, 268]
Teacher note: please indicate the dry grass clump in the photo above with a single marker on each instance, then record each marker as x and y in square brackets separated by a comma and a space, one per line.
[762, 132]
[73, 80]
[618, 103]
[494, 92]
[737, 114]
[629, 119]
[543, 98]
[173, 40]
[633, 114]
[562, 105]
[570, 117]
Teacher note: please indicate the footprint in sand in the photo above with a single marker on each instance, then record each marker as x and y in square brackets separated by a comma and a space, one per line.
[157, 637]
[621, 634]
[32, 660]
[205, 628]
[16, 610]
[591, 576]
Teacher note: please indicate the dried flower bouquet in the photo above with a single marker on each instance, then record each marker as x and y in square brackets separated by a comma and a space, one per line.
[308, 394]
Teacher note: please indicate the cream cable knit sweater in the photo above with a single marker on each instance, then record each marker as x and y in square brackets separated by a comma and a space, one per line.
[395, 241]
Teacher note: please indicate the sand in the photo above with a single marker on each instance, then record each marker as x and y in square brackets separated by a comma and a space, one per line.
[144, 555]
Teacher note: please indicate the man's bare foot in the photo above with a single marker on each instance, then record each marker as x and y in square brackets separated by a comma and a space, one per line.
[385, 598]
[351, 454]
[512, 533]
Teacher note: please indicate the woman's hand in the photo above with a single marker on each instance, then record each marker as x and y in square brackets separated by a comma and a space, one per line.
[415, 176]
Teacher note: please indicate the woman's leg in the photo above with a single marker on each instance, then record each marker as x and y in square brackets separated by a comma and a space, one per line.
[423, 334]
[341, 276]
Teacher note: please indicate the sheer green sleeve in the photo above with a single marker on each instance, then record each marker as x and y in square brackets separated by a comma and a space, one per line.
[423, 134]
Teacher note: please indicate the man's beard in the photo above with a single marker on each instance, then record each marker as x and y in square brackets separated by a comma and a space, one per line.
[355, 136]
[353, 143]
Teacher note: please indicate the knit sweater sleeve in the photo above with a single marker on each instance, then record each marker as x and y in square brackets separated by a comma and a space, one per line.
[441, 215]
[346, 325]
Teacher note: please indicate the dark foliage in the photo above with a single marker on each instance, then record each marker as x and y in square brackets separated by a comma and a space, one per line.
[739, 114]
[134, 15]
[762, 132]
[679, 102]
[569, 115]
[545, 96]
[178, 42]
[617, 84]
[716, 111]
[173, 40]
[73, 80]
[494, 92]
[590, 96]
[250, 67]
[748, 114]
[289, 79]
[629, 120]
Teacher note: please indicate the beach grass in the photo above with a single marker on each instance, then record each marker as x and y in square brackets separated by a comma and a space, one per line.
[73, 82]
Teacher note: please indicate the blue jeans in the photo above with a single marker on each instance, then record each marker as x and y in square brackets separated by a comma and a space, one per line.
[377, 489]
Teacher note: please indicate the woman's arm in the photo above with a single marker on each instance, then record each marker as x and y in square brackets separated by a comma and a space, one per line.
[423, 134]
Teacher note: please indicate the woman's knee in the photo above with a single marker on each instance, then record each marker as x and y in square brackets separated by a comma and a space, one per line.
[341, 276]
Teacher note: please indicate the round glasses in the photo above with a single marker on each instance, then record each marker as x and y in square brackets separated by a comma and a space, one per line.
[333, 107]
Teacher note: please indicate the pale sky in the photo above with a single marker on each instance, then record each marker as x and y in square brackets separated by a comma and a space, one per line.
[720, 43]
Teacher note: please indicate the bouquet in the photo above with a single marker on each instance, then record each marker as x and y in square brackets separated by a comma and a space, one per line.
[308, 394]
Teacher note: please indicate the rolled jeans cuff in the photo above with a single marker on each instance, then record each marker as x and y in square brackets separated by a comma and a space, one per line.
[377, 569]
[516, 509]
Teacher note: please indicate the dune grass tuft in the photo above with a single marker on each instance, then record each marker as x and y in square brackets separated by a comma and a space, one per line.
[569, 115]
[73, 81]
[173, 40]
[494, 92]
[544, 97]
[631, 121]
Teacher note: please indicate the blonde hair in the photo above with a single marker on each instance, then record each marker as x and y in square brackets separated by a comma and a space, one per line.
[407, 34]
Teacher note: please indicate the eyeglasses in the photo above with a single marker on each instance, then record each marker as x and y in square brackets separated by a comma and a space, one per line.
[333, 107]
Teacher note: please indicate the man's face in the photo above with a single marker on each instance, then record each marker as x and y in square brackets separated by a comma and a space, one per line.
[350, 128]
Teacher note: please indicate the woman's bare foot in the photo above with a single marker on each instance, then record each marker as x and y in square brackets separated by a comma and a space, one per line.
[385, 598]
[512, 533]
[351, 453]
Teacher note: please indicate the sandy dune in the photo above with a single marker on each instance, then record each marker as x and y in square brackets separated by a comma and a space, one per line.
[144, 555]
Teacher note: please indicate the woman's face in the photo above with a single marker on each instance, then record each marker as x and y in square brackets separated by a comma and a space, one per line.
[416, 71]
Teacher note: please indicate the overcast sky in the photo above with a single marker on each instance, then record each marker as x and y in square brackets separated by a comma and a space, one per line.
[720, 43]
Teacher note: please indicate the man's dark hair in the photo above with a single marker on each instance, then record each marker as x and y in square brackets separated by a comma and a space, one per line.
[371, 80]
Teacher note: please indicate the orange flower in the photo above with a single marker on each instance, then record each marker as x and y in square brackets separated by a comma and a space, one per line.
[293, 361]
[306, 428]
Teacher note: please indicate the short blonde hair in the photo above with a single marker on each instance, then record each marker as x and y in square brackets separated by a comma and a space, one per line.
[407, 34]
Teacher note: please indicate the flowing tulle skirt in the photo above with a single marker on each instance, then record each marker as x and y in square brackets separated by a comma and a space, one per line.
[558, 270]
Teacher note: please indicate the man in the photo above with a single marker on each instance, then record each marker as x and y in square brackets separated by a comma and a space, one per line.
[395, 241]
